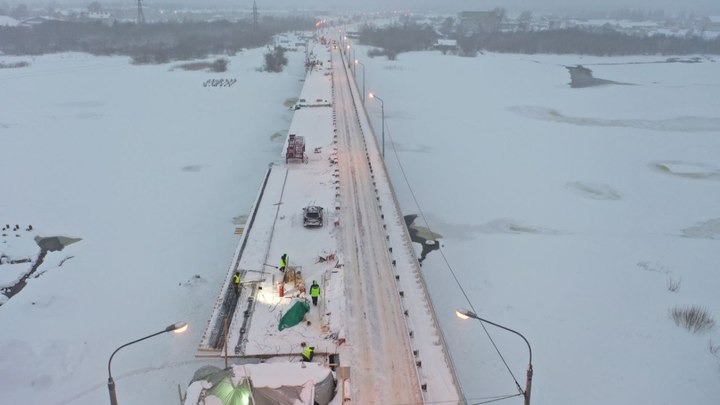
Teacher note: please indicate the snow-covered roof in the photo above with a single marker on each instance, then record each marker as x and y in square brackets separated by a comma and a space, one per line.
[446, 42]
[7, 21]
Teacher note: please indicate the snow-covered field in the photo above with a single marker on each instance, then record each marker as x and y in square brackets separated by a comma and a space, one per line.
[564, 213]
[152, 170]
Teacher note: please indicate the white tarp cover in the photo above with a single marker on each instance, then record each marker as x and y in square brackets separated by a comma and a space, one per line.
[287, 383]
[272, 383]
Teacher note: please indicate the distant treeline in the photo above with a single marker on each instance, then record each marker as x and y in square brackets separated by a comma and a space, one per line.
[600, 41]
[398, 38]
[146, 43]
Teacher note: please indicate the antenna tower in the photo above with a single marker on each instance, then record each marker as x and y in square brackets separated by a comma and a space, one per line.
[141, 15]
[255, 14]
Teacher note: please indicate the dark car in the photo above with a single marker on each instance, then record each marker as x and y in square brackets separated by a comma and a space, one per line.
[313, 216]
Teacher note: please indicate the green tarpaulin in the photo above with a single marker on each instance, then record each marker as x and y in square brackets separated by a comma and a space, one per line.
[295, 315]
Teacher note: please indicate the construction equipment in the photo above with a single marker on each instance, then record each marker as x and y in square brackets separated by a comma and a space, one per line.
[295, 149]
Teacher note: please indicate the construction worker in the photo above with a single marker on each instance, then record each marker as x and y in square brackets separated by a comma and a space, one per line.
[236, 282]
[283, 262]
[314, 292]
[307, 354]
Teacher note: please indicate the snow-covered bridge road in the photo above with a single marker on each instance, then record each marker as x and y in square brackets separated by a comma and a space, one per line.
[384, 369]
[374, 313]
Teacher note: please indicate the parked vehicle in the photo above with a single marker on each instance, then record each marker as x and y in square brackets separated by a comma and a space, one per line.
[313, 216]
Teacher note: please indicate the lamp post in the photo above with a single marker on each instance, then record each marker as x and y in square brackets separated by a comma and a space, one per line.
[357, 62]
[382, 109]
[465, 314]
[176, 327]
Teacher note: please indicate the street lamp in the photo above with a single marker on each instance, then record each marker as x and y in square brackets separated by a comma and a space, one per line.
[357, 62]
[179, 327]
[382, 109]
[465, 314]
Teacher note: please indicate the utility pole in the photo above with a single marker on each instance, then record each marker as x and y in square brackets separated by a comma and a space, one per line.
[255, 15]
[141, 15]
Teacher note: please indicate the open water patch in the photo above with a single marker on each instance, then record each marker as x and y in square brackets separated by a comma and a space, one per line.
[55, 243]
[678, 124]
[580, 77]
[697, 171]
[422, 235]
[595, 191]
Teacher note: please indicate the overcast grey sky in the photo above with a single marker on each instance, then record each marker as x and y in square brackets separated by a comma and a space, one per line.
[711, 7]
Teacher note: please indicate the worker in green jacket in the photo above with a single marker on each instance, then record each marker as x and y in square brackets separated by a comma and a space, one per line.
[307, 354]
[314, 292]
[283, 262]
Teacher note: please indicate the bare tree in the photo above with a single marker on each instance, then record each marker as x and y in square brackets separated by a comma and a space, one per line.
[95, 7]
[20, 12]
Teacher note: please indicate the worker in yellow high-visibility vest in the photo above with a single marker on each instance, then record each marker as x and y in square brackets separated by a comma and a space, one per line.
[283, 262]
[307, 354]
[314, 292]
[236, 282]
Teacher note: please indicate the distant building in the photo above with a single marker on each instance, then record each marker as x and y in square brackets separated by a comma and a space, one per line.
[31, 22]
[446, 45]
[480, 21]
[103, 17]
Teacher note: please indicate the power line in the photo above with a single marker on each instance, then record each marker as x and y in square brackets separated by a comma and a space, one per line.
[500, 398]
[447, 262]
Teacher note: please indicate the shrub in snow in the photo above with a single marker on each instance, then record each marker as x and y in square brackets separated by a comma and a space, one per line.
[695, 319]
[672, 284]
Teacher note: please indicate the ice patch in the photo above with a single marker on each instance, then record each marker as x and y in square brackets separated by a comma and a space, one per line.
[82, 104]
[240, 219]
[88, 116]
[678, 124]
[192, 168]
[699, 171]
[412, 148]
[595, 191]
[709, 229]
[498, 226]
[278, 137]
[505, 225]
[40, 365]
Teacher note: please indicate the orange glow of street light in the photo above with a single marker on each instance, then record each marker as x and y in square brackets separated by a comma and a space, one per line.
[179, 327]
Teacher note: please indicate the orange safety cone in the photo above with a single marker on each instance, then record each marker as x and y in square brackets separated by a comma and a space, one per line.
[281, 289]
